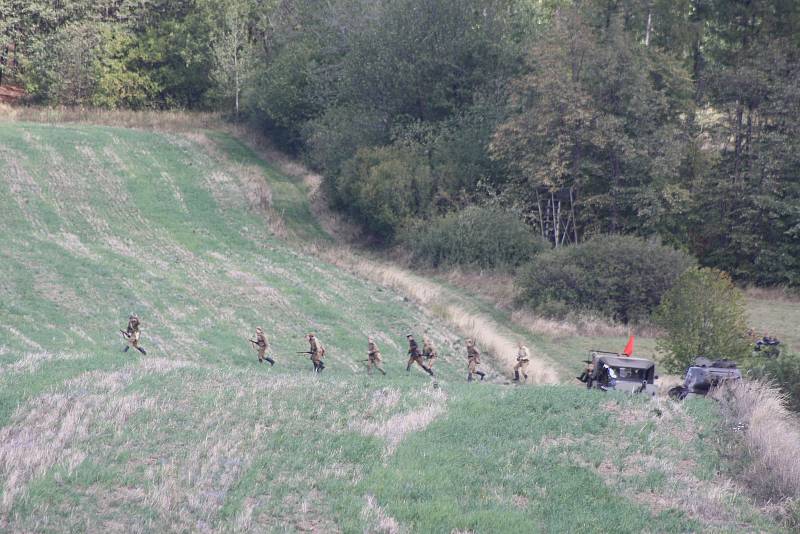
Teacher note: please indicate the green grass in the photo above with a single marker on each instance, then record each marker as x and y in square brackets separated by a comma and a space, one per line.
[98, 222]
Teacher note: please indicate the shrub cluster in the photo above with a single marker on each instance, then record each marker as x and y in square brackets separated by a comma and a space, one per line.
[486, 237]
[621, 277]
[784, 371]
[702, 315]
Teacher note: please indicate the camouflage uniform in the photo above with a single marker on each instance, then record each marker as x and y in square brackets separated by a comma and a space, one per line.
[132, 334]
[414, 356]
[263, 346]
[473, 360]
[374, 357]
[523, 359]
[429, 352]
[317, 353]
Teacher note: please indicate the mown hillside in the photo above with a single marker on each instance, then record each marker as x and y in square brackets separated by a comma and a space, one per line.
[205, 241]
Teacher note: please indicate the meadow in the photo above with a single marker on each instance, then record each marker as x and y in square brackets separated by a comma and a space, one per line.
[205, 240]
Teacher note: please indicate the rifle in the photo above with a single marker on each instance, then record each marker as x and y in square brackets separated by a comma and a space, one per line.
[124, 333]
[304, 352]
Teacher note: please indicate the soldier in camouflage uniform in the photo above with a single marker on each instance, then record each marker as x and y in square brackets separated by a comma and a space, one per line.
[415, 356]
[429, 351]
[262, 345]
[317, 352]
[132, 334]
[473, 360]
[373, 357]
[523, 359]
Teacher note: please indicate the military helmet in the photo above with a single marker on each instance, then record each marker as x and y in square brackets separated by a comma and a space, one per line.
[258, 329]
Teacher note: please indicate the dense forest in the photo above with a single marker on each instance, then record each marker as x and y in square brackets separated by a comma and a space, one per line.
[670, 119]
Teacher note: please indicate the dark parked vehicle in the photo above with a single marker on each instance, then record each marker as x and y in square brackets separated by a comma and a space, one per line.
[705, 375]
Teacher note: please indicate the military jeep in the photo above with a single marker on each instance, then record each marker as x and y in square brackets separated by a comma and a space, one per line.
[703, 376]
[617, 372]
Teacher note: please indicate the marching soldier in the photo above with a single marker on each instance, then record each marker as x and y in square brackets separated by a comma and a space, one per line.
[429, 351]
[414, 355]
[373, 356]
[317, 352]
[523, 359]
[132, 334]
[260, 342]
[473, 360]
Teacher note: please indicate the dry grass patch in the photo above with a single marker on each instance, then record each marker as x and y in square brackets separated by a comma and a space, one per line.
[156, 120]
[377, 520]
[770, 435]
[396, 427]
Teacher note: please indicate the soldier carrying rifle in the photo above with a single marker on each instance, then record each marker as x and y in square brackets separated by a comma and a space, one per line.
[262, 345]
[373, 357]
[415, 356]
[132, 334]
[316, 352]
[523, 359]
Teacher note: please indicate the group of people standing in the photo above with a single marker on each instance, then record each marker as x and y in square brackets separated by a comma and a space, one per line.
[424, 358]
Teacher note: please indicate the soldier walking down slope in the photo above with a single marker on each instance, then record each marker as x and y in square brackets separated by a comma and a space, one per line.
[373, 357]
[415, 356]
[473, 360]
[132, 334]
[523, 359]
[317, 352]
[429, 352]
[262, 345]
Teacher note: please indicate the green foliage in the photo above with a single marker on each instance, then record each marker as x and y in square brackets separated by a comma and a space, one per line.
[118, 83]
[609, 126]
[702, 315]
[384, 187]
[486, 237]
[784, 371]
[621, 277]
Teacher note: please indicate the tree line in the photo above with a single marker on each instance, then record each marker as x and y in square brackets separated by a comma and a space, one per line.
[675, 119]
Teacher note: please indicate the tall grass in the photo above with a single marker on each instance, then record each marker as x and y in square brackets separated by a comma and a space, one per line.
[770, 435]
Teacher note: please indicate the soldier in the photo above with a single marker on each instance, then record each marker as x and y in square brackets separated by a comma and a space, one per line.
[260, 342]
[415, 356]
[587, 376]
[473, 360]
[523, 359]
[429, 351]
[132, 334]
[373, 356]
[317, 352]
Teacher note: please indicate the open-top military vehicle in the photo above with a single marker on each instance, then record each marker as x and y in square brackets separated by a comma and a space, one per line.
[703, 376]
[612, 371]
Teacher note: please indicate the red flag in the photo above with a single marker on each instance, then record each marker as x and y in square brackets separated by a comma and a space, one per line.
[629, 347]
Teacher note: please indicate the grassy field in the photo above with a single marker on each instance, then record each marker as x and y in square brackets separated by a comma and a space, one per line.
[205, 241]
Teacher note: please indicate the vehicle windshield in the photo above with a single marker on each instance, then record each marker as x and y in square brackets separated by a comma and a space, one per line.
[632, 374]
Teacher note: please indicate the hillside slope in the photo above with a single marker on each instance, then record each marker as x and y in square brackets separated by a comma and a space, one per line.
[205, 241]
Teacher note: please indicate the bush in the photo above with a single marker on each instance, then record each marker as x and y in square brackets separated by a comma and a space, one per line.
[784, 371]
[702, 315]
[621, 277]
[487, 237]
[382, 188]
